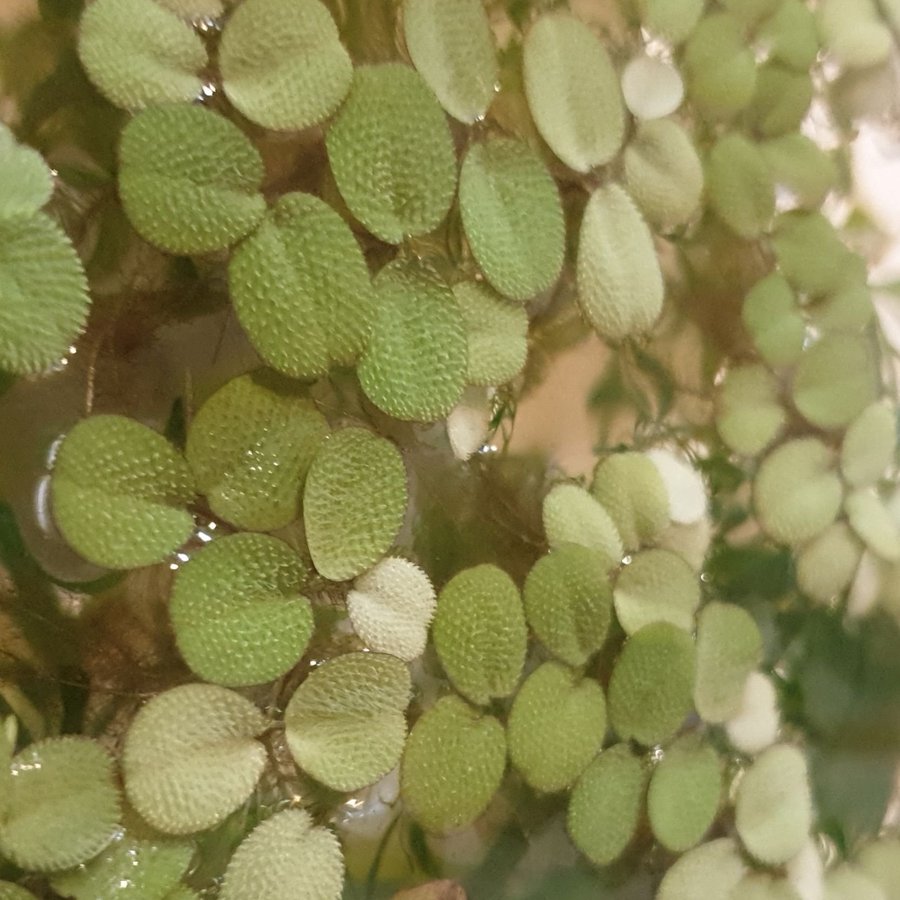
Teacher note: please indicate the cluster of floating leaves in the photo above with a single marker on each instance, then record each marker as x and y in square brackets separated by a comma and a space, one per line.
[611, 676]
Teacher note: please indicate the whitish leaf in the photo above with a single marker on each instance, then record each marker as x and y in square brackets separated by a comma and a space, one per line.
[773, 809]
[283, 65]
[606, 803]
[620, 286]
[237, 612]
[573, 91]
[452, 765]
[286, 857]
[139, 54]
[796, 492]
[684, 793]
[354, 502]
[345, 724]
[43, 293]
[656, 586]
[512, 217]
[652, 88]
[651, 684]
[391, 153]
[415, 365]
[556, 726]
[568, 602]
[391, 607]
[250, 447]
[189, 179]
[755, 725]
[119, 491]
[301, 288]
[479, 633]
[63, 807]
[451, 45]
[191, 757]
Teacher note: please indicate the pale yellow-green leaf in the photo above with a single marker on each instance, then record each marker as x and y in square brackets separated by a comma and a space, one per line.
[663, 173]
[620, 286]
[810, 253]
[847, 882]
[391, 153]
[568, 602]
[415, 365]
[63, 807]
[189, 179]
[873, 523]
[119, 492]
[869, 447]
[651, 87]
[191, 757]
[799, 166]
[729, 648]
[826, 565]
[237, 612]
[749, 412]
[854, 32]
[571, 515]
[43, 293]
[286, 857]
[451, 44]
[796, 492]
[652, 679]
[781, 100]
[479, 633]
[710, 871]
[26, 180]
[345, 724]
[573, 91]
[739, 185]
[512, 217]
[773, 320]
[773, 808]
[606, 803]
[452, 765]
[301, 289]
[672, 20]
[282, 63]
[791, 35]
[880, 860]
[556, 726]
[354, 502]
[756, 724]
[250, 447]
[139, 54]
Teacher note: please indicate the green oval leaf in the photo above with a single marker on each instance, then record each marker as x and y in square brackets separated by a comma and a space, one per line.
[568, 602]
[556, 726]
[139, 54]
[119, 491]
[620, 285]
[354, 502]
[452, 765]
[663, 173]
[773, 809]
[740, 186]
[835, 380]
[827, 563]
[797, 493]
[189, 179]
[391, 153]
[749, 414]
[572, 516]
[391, 607]
[26, 179]
[845, 882]
[792, 35]
[286, 857]
[237, 612]
[497, 334]
[711, 871]
[479, 633]
[673, 20]
[772, 316]
[729, 648]
[758, 721]
[781, 101]
[415, 365]
[345, 724]
[451, 44]
[761, 886]
[873, 523]
[573, 91]
[629, 487]
[250, 447]
[684, 793]
[512, 217]
[656, 586]
[880, 860]
[870, 444]
[651, 87]
[63, 807]
[282, 63]
[810, 253]
[800, 167]
[606, 804]
[191, 758]
[651, 684]
[43, 293]
[301, 288]
[854, 32]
